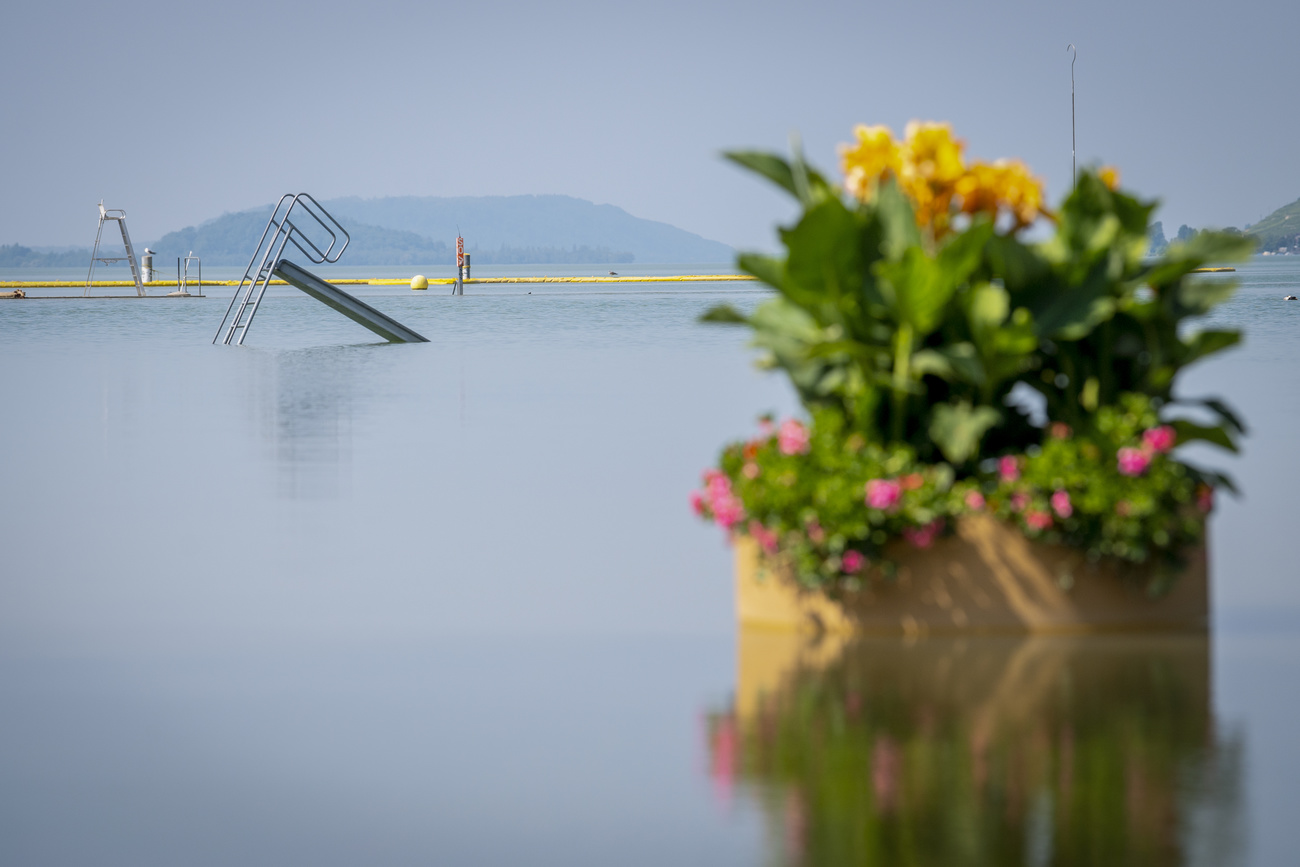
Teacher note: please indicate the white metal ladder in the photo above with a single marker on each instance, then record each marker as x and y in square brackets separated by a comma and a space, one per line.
[248, 297]
[119, 216]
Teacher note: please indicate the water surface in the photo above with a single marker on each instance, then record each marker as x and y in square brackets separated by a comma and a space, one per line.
[322, 600]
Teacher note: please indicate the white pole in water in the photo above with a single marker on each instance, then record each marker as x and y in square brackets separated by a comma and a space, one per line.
[1074, 164]
[460, 266]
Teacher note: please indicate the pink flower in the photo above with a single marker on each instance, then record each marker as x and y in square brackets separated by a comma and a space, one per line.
[792, 438]
[1038, 520]
[816, 534]
[726, 506]
[1133, 462]
[1019, 500]
[1160, 439]
[697, 502]
[1060, 430]
[852, 562]
[728, 511]
[1205, 499]
[883, 493]
[766, 428]
[750, 470]
[1061, 504]
[975, 501]
[1009, 469]
[923, 537]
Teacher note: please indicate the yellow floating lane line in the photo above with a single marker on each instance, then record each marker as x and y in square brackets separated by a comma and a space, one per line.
[363, 281]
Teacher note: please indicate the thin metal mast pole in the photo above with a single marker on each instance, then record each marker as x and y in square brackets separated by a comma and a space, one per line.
[1074, 164]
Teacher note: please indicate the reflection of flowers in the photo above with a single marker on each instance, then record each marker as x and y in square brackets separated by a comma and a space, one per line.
[886, 773]
[722, 756]
[923, 537]
[942, 752]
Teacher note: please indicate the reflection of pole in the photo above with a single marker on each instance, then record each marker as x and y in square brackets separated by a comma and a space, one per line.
[1074, 164]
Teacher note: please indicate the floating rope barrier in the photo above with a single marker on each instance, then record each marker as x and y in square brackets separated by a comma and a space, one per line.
[362, 281]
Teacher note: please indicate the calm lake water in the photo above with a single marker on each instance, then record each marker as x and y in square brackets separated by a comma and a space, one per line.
[324, 601]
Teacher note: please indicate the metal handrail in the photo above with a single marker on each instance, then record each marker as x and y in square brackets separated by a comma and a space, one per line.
[286, 231]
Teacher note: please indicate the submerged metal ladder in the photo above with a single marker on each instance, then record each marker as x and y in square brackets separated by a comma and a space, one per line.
[267, 262]
[119, 216]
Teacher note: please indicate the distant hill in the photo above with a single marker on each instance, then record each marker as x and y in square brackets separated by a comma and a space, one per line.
[18, 256]
[1279, 229]
[497, 230]
[542, 222]
[230, 238]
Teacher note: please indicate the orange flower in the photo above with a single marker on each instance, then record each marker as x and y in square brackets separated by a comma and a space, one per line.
[872, 158]
[1006, 185]
[1109, 176]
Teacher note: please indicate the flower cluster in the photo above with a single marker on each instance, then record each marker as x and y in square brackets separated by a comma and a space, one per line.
[930, 167]
[826, 502]
[1114, 491]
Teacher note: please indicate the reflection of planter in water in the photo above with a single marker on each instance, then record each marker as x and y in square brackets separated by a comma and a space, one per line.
[986, 578]
[994, 750]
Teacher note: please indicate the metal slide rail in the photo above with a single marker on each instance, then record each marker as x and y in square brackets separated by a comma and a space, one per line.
[279, 232]
[353, 308]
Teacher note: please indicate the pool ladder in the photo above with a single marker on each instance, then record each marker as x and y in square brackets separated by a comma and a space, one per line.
[279, 232]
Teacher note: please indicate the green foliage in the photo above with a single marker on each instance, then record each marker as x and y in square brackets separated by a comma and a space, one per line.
[1112, 490]
[910, 341]
[889, 329]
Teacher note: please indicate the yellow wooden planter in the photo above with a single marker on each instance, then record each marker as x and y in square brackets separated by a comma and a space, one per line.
[987, 577]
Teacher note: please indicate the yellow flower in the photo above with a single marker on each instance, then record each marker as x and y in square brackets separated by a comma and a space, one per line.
[932, 164]
[873, 157]
[1109, 176]
[930, 153]
[1006, 185]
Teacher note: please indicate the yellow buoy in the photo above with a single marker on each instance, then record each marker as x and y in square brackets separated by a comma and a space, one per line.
[419, 281]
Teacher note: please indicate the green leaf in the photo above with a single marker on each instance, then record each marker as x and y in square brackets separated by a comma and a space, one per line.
[724, 314]
[1209, 342]
[987, 307]
[825, 262]
[958, 361]
[1071, 313]
[1190, 432]
[1018, 266]
[957, 430]
[777, 170]
[1201, 296]
[769, 269]
[893, 211]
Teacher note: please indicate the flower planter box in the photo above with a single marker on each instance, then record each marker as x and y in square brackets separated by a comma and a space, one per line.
[987, 577]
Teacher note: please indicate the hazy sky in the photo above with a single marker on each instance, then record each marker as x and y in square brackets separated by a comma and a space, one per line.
[178, 112]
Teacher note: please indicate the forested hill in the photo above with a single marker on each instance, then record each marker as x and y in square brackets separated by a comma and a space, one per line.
[559, 222]
[497, 230]
[1279, 229]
